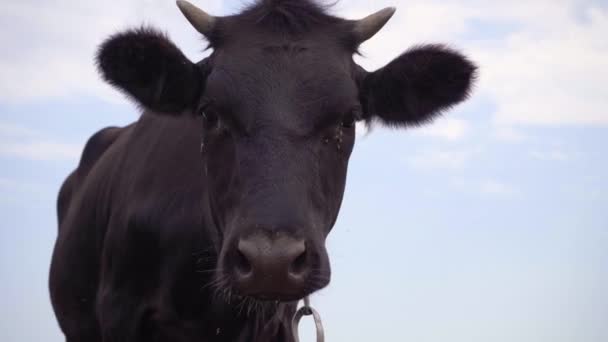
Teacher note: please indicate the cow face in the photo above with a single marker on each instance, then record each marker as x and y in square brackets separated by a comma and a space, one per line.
[280, 96]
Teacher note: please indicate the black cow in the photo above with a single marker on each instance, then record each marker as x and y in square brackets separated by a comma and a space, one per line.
[159, 241]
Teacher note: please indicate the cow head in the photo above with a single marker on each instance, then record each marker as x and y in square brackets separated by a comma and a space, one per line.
[280, 96]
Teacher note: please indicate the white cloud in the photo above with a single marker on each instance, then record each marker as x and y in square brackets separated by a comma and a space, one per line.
[41, 150]
[496, 188]
[49, 50]
[444, 128]
[551, 72]
[415, 22]
[12, 130]
[22, 192]
[485, 187]
[442, 159]
[541, 63]
[551, 155]
[23, 143]
[14, 186]
[509, 134]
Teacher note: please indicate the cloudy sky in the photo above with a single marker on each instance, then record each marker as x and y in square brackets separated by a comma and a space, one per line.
[489, 225]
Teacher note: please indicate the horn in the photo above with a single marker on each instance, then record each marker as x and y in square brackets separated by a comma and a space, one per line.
[202, 22]
[367, 27]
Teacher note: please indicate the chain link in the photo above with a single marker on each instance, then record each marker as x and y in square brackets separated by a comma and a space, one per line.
[307, 310]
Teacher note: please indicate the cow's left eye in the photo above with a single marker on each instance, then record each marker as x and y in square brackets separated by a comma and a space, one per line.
[350, 119]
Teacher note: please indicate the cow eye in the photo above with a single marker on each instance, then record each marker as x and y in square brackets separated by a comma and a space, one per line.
[349, 120]
[210, 117]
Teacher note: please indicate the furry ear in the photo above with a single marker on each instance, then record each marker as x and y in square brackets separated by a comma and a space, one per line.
[149, 68]
[416, 86]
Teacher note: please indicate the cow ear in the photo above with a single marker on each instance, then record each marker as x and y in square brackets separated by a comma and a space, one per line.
[416, 86]
[149, 68]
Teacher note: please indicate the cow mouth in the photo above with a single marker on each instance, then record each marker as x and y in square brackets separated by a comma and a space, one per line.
[269, 296]
[231, 294]
[262, 302]
[276, 297]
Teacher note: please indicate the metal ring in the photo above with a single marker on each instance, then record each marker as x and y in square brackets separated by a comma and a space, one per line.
[307, 310]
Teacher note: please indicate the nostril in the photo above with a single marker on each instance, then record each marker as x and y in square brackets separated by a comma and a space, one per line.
[299, 265]
[242, 264]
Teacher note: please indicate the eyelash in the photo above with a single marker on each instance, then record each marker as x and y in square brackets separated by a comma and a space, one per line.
[210, 118]
[351, 118]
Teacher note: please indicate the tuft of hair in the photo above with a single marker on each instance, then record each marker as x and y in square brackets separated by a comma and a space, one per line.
[145, 65]
[293, 16]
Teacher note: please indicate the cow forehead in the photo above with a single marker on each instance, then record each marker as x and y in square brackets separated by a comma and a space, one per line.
[293, 64]
[282, 78]
[282, 88]
[286, 49]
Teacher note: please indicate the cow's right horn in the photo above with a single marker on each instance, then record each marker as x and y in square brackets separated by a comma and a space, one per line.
[367, 27]
[202, 22]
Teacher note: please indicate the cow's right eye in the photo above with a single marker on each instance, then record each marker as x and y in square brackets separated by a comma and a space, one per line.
[210, 117]
[350, 119]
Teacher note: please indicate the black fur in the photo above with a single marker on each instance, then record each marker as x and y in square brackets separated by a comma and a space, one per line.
[148, 67]
[294, 16]
[416, 86]
[150, 224]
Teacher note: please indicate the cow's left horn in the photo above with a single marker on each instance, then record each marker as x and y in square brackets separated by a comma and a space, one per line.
[202, 22]
[367, 27]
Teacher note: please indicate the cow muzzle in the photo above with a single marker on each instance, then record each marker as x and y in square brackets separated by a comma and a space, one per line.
[275, 267]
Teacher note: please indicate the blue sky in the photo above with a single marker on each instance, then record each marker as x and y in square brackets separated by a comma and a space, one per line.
[489, 225]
